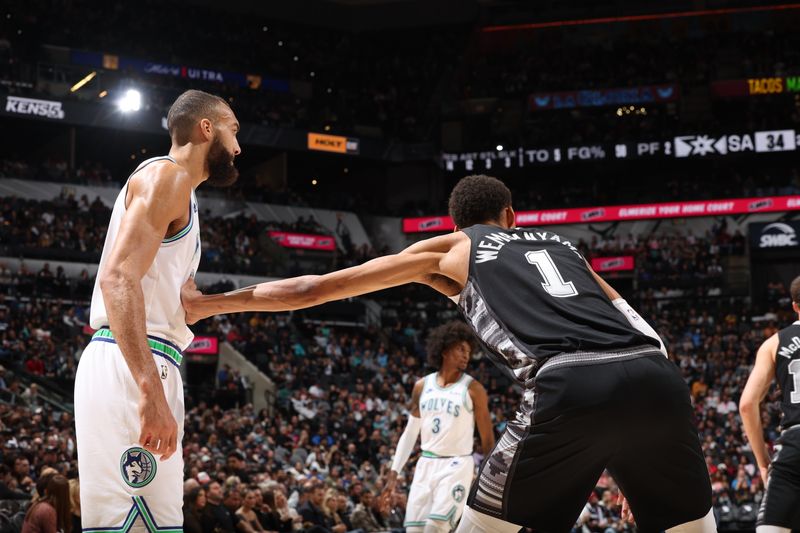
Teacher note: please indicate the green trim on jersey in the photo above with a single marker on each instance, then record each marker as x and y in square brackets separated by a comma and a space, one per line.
[156, 345]
[132, 515]
[444, 518]
[152, 527]
[185, 230]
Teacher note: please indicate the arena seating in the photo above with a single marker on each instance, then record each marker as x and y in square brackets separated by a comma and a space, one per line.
[343, 391]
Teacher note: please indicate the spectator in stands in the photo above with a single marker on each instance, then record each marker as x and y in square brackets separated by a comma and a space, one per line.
[194, 503]
[51, 513]
[216, 516]
[23, 473]
[246, 514]
[312, 513]
[75, 504]
[279, 516]
[233, 501]
[365, 515]
[236, 466]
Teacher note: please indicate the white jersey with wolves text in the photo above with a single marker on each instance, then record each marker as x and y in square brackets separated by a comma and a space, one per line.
[448, 423]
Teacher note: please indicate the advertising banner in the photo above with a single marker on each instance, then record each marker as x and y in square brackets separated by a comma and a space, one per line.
[612, 264]
[303, 241]
[50, 109]
[645, 94]
[115, 62]
[745, 88]
[204, 345]
[584, 215]
[332, 143]
[775, 235]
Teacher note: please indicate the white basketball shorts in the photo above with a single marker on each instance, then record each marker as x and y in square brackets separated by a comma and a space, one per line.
[123, 486]
[439, 489]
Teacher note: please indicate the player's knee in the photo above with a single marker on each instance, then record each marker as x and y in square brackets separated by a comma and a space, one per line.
[437, 526]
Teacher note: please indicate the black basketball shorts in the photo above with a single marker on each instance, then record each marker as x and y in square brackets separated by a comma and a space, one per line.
[626, 411]
[781, 504]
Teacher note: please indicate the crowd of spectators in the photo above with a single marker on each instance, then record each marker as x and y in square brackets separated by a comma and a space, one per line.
[71, 228]
[325, 77]
[366, 84]
[318, 457]
[602, 184]
[675, 265]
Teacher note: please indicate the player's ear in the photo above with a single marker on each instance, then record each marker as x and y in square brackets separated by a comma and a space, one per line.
[796, 307]
[511, 217]
[206, 129]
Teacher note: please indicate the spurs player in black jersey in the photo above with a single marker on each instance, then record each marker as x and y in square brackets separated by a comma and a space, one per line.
[598, 392]
[778, 356]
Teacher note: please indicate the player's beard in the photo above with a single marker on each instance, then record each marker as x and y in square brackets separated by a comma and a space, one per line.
[221, 170]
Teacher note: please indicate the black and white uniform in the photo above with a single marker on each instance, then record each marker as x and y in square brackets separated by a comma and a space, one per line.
[597, 393]
[781, 504]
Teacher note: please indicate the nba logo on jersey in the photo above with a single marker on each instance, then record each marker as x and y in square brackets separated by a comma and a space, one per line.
[138, 467]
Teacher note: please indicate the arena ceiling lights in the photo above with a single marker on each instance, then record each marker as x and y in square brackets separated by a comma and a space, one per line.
[131, 101]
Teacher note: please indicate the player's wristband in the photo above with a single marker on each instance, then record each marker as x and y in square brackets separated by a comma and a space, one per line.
[638, 322]
[406, 443]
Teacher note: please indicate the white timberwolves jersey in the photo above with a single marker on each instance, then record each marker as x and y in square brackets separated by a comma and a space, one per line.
[176, 260]
[448, 424]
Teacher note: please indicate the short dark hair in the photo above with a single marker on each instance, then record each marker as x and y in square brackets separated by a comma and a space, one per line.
[236, 454]
[794, 290]
[189, 108]
[478, 199]
[444, 336]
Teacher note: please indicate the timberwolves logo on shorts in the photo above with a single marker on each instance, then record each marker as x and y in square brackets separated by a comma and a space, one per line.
[458, 493]
[138, 467]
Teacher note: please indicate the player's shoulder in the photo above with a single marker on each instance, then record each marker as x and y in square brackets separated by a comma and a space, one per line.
[475, 385]
[440, 243]
[163, 178]
[420, 383]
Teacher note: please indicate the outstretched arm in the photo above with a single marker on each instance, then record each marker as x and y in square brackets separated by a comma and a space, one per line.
[423, 262]
[750, 403]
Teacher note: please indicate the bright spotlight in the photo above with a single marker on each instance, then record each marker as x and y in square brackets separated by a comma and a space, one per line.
[499, 147]
[132, 101]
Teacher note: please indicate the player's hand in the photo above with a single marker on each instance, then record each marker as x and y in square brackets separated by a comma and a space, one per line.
[189, 295]
[389, 485]
[764, 474]
[625, 512]
[159, 433]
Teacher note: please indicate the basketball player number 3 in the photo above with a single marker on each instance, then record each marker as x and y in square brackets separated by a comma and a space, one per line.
[554, 283]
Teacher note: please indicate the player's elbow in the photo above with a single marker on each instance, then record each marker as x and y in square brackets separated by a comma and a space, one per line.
[306, 291]
[111, 281]
[747, 406]
[296, 293]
